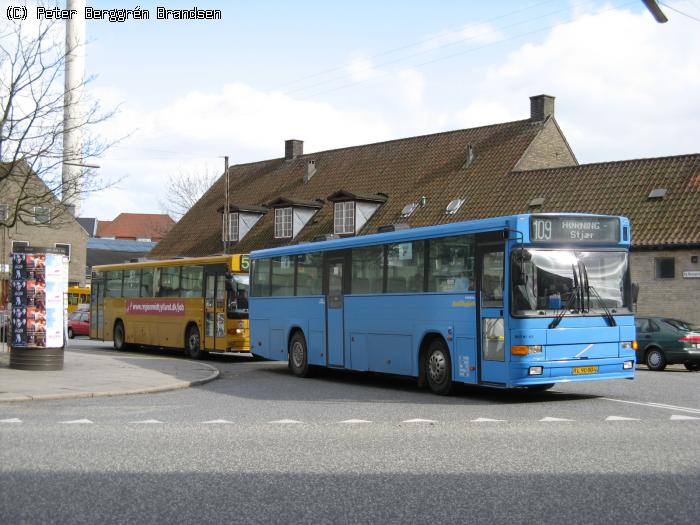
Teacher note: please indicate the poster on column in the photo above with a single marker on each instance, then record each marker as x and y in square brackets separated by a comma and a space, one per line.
[39, 283]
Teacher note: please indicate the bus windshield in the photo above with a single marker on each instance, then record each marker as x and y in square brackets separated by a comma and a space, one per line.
[238, 296]
[546, 281]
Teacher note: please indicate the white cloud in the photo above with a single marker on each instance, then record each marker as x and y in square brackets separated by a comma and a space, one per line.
[412, 85]
[483, 33]
[626, 87]
[190, 134]
[361, 68]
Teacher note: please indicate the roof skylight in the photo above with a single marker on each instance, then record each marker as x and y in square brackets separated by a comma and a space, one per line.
[408, 210]
[453, 206]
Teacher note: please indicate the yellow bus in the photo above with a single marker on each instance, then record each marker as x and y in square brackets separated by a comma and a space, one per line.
[197, 304]
[78, 295]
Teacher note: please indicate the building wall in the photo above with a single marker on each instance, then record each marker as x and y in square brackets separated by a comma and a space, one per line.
[548, 150]
[678, 297]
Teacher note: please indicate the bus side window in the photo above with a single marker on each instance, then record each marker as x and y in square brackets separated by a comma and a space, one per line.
[282, 276]
[147, 282]
[191, 281]
[451, 264]
[367, 270]
[169, 282]
[309, 274]
[132, 279]
[261, 278]
[113, 285]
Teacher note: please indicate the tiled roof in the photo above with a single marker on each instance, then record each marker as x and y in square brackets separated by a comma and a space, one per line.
[136, 226]
[619, 188]
[434, 166]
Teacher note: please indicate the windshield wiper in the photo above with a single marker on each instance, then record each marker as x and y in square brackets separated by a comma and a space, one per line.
[573, 294]
[607, 315]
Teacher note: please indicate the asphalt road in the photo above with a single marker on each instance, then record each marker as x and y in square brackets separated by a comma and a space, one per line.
[258, 445]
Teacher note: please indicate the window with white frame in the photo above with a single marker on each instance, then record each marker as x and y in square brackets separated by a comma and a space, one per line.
[64, 247]
[4, 212]
[283, 223]
[42, 215]
[233, 227]
[344, 217]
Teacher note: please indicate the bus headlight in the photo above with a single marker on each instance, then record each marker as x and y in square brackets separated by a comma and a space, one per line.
[239, 331]
[525, 350]
[535, 371]
[627, 365]
[628, 345]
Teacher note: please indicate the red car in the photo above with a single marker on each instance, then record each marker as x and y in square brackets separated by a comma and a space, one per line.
[78, 323]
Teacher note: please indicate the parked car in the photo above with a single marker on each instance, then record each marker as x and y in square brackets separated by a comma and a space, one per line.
[78, 323]
[664, 341]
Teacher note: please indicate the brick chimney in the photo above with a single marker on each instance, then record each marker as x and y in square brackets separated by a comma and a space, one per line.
[293, 148]
[541, 107]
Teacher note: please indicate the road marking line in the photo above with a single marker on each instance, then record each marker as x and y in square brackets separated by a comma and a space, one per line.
[354, 421]
[554, 419]
[286, 421]
[655, 405]
[486, 420]
[77, 422]
[12, 420]
[217, 422]
[147, 422]
[682, 418]
[418, 420]
[620, 418]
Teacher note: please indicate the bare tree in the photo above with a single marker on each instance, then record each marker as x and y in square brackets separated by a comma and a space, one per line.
[32, 103]
[184, 190]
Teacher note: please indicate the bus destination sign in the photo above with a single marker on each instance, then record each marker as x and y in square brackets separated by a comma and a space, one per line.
[576, 229]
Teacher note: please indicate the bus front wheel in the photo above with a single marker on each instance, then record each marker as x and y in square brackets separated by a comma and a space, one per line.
[193, 344]
[438, 368]
[298, 355]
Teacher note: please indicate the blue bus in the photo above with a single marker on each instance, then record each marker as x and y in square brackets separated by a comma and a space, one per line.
[517, 301]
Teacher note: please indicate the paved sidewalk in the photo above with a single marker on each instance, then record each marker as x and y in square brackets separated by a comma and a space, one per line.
[93, 374]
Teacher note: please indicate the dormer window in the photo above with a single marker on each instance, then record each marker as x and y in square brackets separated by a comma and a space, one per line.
[291, 215]
[344, 218]
[239, 221]
[351, 211]
[231, 234]
[283, 223]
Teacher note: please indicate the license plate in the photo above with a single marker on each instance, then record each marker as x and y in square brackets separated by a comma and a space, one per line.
[580, 370]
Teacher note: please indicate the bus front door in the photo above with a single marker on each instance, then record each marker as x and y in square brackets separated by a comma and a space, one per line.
[214, 308]
[492, 355]
[335, 329]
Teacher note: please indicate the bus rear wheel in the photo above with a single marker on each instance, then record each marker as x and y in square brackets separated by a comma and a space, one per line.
[298, 355]
[438, 368]
[119, 336]
[193, 344]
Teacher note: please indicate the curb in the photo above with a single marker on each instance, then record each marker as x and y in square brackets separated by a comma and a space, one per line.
[151, 390]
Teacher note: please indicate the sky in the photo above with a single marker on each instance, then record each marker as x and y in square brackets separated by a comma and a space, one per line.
[341, 74]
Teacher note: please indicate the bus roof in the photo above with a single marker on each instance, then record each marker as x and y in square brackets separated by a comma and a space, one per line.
[516, 222]
[231, 260]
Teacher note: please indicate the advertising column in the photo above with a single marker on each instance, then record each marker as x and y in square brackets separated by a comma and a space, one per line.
[39, 282]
